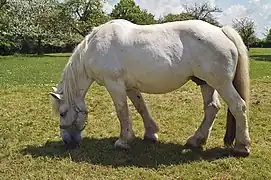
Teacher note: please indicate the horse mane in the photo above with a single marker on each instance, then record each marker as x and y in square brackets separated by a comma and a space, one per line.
[68, 84]
[73, 70]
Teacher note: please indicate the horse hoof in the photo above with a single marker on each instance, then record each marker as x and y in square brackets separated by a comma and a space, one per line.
[241, 151]
[121, 144]
[195, 142]
[151, 138]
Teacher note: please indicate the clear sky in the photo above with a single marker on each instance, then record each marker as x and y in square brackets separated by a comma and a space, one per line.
[258, 10]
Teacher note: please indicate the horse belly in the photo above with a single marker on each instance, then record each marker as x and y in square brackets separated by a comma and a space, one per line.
[160, 87]
[152, 69]
[155, 79]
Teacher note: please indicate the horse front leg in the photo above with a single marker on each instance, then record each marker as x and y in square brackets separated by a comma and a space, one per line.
[150, 126]
[117, 92]
[211, 107]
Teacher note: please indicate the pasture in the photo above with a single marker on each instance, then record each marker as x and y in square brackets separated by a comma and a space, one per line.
[30, 145]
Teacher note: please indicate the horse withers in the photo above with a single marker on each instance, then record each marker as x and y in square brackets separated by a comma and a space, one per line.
[128, 59]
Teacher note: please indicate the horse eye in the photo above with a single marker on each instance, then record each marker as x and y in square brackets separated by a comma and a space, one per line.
[62, 114]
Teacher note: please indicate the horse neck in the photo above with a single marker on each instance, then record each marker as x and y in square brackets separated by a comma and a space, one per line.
[83, 85]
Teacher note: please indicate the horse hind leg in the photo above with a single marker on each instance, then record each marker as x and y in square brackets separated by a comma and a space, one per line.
[211, 107]
[150, 126]
[117, 92]
[237, 107]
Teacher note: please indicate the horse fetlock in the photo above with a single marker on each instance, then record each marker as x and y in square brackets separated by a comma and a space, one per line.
[151, 127]
[228, 142]
[129, 136]
[242, 137]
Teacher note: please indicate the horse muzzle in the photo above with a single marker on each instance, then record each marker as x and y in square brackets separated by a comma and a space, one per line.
[72, 140]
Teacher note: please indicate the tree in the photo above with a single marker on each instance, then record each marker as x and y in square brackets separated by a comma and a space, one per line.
[27, 20]
[36, 23]
[7, 41]
[176, 17]
[127, 9]
[268, 36]
[61, 34]
[246, 29]
[82, 15]
[203, 12]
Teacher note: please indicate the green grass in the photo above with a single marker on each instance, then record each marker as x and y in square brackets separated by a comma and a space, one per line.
[30, 145]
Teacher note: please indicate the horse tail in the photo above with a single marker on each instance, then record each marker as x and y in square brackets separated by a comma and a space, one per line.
[241, 81]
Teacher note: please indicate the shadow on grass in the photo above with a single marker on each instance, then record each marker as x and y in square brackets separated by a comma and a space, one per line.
[57, 55]
[262, 57]
[142, 154]
[44, 55]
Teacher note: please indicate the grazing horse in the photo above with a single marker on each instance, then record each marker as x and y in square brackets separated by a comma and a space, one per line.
[128, 59]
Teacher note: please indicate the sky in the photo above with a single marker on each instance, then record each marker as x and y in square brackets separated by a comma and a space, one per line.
[258, 10]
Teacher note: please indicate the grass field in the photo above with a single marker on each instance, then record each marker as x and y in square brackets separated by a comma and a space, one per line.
[30, 145]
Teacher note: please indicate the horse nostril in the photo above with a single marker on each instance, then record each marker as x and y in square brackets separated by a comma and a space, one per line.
[74, 139]
[65, 142]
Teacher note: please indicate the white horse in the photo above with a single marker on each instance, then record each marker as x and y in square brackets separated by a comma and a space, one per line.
[129, 59]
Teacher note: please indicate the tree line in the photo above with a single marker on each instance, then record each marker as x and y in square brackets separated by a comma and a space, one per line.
[45, 26]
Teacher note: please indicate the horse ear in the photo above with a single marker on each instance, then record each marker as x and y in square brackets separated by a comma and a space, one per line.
[56, 96]
[54, 89]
